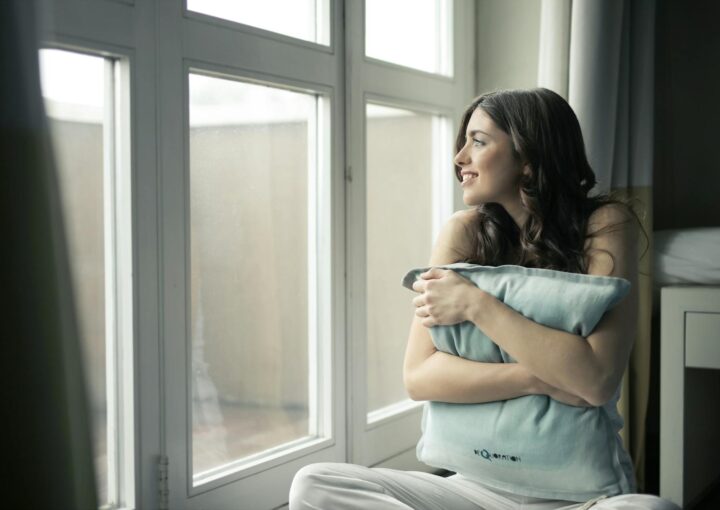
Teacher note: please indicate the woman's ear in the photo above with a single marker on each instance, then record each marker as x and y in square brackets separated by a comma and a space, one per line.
[527, 170]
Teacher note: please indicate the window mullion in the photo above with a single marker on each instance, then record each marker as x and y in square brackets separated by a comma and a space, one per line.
[109, 220]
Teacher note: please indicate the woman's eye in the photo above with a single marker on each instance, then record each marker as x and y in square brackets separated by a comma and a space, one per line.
[480, 142]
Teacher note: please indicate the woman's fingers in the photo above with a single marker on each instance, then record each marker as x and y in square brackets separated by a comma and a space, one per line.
[434, 272]
[422, 311]
[419, 285]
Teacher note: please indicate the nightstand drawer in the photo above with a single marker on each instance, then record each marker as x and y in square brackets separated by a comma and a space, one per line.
[702, 340]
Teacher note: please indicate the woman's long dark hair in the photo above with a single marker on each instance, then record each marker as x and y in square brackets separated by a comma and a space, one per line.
[546, 133]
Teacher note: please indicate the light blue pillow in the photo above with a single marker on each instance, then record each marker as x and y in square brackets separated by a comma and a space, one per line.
[531, 445]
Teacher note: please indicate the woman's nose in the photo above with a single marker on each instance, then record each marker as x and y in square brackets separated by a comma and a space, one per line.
[459, 158]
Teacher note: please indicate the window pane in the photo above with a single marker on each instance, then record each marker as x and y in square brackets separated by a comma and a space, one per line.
[399, 236]
[304, 19]
[412, 33]
[250, 148]
[73, 87]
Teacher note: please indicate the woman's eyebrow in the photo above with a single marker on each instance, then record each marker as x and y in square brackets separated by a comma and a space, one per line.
[472, 133]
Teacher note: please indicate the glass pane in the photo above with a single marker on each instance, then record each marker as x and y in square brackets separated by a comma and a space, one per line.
[73, 89]
[250, 148]
[399, 236]
[412, 33]
[304, 19]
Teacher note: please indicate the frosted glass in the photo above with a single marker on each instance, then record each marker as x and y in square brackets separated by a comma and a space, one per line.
[304, 19]
[399, 236]
[249, 168]
[73, 90]
[411, 33]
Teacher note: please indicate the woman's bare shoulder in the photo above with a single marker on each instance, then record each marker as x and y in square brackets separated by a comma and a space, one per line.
[462, 224]
[455, 240]
[612, 232]
[609, 215]
[465, 216]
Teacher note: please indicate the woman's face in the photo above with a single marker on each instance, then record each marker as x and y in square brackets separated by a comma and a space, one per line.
[490, 170]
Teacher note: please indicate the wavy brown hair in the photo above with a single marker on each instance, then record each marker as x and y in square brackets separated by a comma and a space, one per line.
[546, 133]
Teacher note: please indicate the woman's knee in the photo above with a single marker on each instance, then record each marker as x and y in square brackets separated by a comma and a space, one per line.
[309, 487]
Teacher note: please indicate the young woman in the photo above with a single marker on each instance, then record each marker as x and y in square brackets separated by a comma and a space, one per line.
[522, 166]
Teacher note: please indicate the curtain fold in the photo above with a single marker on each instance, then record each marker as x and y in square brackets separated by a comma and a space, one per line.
[599, 54]
[50, 462]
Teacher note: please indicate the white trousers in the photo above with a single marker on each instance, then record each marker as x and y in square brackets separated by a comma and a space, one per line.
[341, 486]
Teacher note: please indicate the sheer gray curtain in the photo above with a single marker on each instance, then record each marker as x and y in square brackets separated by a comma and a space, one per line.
[599, 54]
[49, 459]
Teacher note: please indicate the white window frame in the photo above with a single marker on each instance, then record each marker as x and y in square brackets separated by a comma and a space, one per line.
[389, 440]
[188, 40]
[122, 30]
[156, 43]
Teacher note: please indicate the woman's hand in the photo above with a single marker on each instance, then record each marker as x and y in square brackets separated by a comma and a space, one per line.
[446, 297]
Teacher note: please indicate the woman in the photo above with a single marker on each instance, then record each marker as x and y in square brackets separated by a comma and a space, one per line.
[522, 166]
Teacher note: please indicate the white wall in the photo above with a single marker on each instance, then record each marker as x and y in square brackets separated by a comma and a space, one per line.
[508, 33]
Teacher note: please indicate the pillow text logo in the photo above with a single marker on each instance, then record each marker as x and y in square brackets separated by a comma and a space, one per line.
[490, 456]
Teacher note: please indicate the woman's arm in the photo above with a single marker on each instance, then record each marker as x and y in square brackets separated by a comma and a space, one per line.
[435, 375]
[593, 366]
[430, 374]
